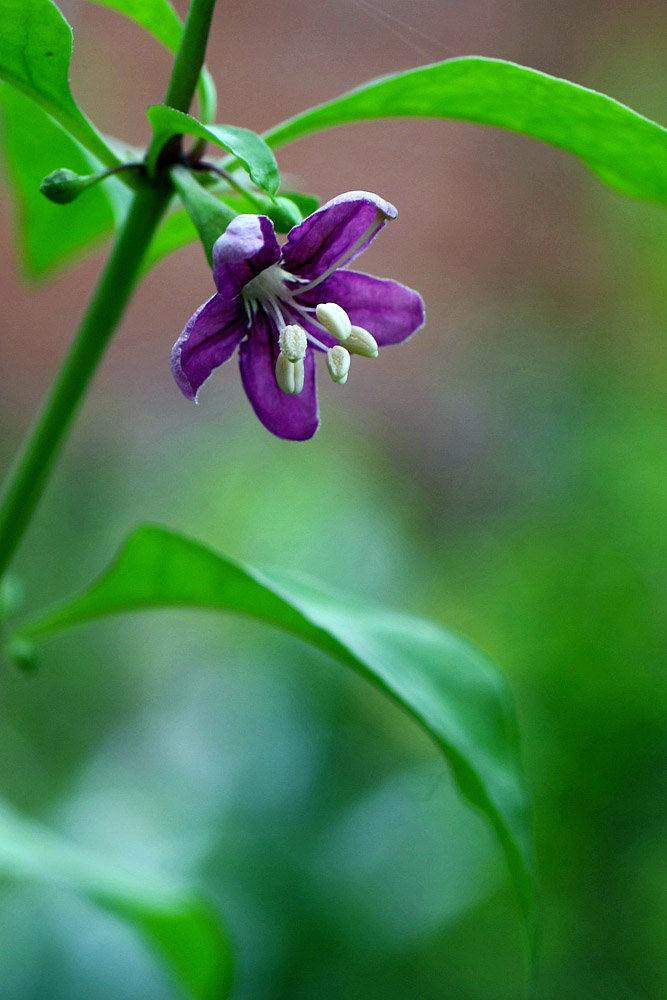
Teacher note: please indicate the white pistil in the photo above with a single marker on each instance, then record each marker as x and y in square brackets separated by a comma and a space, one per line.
[290, 372]
[338, 363]
[289, 375]
[334, 319]
[293, 342]
[362, 342]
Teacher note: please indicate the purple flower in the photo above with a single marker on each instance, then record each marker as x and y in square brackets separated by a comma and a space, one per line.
[280, 305]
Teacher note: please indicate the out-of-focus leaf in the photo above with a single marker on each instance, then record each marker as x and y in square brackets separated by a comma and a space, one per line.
[625, 149]
[449, 687]
[35, 51]
[306, 203]
[246, 146]
[181, 928]
[160, 20]
[177, 229]
[33, 145]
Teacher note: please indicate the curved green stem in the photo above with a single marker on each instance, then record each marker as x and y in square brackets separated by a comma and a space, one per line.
[31, 471]
[27, 479]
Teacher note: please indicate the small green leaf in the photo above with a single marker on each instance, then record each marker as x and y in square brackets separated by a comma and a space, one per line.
[35, 51]
[160, 20]
[452, 691]
[625, 149]
[245, 145]
[32, 145]
[209, 215]
[182, 929]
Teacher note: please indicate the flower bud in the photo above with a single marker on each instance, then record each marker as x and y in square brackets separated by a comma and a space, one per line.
[63, 186]
[23, 652]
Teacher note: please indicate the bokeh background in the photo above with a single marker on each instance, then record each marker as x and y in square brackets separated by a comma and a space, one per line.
[505, 474]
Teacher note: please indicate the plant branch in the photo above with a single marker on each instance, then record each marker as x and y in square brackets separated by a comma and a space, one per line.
[28, 478]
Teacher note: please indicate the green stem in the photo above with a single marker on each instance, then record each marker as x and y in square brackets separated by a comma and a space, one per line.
[190, 56]
[26, 482]
[187, 65]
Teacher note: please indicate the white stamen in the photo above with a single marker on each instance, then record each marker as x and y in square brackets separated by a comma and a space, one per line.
[293, 342]
[338, 363]
[334, 319]
[289, 375]
[362, 342]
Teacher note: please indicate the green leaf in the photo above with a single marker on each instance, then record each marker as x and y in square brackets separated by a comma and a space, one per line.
[160, 20]
[35, 51]
[452, 691]
[625, 149]
[182, 929]
[245, 145]
[33, 144]
[176, 230]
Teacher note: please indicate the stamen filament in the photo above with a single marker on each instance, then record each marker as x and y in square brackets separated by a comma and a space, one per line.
[374, 226]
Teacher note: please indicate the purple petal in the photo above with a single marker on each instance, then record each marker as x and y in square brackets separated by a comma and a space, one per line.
[208, 340]
[336, 233]
[388, 310]
[292, 417]
[247, 246]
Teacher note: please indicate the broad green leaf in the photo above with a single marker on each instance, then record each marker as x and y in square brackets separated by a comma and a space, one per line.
[452, 691]
[625, 149]
[177, 230]
[35, 51]
[180, 928]
[33, 145]
[248, 148]
[160, 19]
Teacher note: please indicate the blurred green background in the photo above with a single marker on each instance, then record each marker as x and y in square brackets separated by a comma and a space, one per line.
[504, 474]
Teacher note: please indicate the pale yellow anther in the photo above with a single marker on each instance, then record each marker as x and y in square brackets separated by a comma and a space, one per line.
[289, 375]
[338, 363]
[334, 319]
[361, 341]
[293, 342]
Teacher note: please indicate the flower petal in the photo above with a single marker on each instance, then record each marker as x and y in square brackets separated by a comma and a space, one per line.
[247, 246]
[391, 312]
[208, 340]
[292, 417]
[336, 233]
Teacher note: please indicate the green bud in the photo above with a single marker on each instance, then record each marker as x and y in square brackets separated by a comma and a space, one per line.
[23, 652]
[63, 186]
[11, 596]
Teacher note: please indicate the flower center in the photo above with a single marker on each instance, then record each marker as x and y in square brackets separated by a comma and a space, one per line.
[270, 291]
